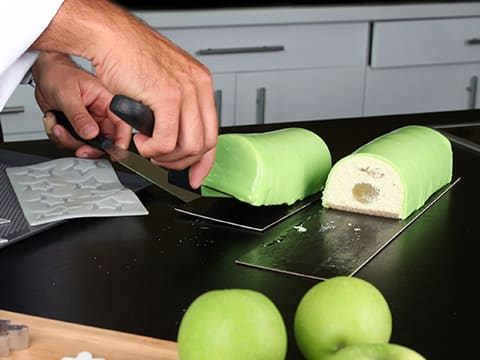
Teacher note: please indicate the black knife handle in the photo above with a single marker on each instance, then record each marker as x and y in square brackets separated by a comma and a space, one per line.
[99, 142]
[134, 113]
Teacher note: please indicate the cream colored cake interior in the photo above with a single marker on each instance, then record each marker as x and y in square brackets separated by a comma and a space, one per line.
[366, 185]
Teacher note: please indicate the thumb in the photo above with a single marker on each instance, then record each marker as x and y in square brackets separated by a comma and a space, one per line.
[82, 121]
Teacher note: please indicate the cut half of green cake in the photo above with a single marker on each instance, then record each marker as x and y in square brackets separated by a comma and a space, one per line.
[391, 176]
[269, 168]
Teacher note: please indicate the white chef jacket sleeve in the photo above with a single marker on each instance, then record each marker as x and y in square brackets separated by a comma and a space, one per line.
[21, 23]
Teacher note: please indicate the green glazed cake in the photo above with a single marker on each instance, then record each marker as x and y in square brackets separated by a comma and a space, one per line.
[391, 176]
[270, 168]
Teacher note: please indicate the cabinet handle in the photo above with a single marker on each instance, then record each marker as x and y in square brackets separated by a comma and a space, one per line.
[240, 50]
[472, 89]
[12, 110]
[473, 41]
[260, 106]
[217, 95]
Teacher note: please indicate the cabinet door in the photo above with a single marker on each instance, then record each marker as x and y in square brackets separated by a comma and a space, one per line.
[298, 95]
[421, 89]
[21, 118]
[224, 92]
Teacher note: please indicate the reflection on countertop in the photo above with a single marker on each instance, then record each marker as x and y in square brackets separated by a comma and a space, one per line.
[467, 134]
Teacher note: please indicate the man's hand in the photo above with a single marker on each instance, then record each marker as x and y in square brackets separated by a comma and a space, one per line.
[132, 59]
[175, 86]
[62, 85]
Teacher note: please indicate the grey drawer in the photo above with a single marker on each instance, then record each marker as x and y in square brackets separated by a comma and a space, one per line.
[424, 42]
[244, 48]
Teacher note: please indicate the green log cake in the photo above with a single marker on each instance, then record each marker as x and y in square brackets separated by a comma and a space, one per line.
[391, 176]
[270, 168]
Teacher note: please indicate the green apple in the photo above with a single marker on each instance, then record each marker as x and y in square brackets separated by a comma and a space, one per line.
[232, 324]
[376, 352]
[338, 312]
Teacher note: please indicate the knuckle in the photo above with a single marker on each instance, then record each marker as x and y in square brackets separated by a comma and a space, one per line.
[200, 75]
[188, 88]
[211, 142]
[204, 80]
[78, 120]
[173, 93]
[196, 148]
[167, 146]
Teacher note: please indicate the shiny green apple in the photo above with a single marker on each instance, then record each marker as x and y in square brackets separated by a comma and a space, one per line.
[232, 324]
[338, 312]
[376, 352]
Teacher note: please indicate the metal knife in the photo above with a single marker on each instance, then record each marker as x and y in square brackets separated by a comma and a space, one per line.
[135, 115]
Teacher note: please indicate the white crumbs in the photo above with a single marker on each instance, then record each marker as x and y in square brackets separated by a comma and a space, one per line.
[300, 228]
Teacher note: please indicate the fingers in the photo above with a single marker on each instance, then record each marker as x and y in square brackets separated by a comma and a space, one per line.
[177, 138]
[115, 129]
[208, 111]
[123, 135]
[63, 86]
[199, 171]
[83, 124]
[63, 139]
[166, 126]
[183, 137]
[80, 118]
[199, 167]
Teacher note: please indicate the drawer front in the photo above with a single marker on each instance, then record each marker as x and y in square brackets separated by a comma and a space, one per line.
[246, 48]
[422, 89]
[441, 41]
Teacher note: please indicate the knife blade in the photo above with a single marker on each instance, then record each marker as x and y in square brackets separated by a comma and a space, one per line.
[131, 160]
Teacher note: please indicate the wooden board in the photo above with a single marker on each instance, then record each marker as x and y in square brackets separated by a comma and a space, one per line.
[52, 340]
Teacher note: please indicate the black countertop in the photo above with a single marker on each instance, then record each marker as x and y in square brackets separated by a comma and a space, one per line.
[139, 274]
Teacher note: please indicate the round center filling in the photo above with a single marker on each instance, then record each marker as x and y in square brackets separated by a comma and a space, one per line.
[365, 193]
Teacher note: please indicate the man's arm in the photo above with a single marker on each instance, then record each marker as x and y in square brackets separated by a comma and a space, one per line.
[132, 59]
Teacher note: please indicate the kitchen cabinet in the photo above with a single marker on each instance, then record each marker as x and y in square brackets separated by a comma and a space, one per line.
[423, 66]
[282, 72]
[22, 119]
